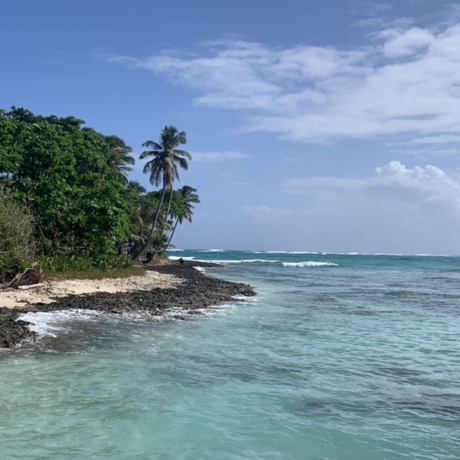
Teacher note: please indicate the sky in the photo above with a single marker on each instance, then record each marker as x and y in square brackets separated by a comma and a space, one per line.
[314, 126]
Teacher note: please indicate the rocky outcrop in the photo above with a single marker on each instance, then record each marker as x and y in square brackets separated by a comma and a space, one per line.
[196, 292]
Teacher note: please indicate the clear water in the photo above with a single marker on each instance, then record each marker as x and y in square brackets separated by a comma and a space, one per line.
[354, 361]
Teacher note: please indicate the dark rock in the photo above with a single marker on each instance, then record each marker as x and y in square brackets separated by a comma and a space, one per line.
[197, 291]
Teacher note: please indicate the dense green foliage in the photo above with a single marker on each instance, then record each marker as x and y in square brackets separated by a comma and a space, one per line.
[64, 175]
[16, 242]
[71, 261]
[67, 187]
[148, 206]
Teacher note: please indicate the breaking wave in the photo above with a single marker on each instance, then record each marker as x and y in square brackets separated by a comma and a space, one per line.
[246, 261]
[309, 264]
[184, 258]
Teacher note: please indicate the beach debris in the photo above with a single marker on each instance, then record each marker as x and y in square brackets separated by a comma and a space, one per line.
[32, 286]
[32, 275]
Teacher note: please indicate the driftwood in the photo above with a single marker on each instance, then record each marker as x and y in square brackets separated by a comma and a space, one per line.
[33, 275]
[31, 286]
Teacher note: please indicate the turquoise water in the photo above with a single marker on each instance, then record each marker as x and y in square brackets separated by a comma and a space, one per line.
[357, 359]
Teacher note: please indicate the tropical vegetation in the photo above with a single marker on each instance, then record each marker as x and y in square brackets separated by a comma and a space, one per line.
[66, 198]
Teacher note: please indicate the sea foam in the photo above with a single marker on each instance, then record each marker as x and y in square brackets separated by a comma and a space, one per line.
[183, 258]
[49, 324]
[224, 261]
[309, 264]
[246, 261]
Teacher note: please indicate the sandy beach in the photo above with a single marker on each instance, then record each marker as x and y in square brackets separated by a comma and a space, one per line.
[54, 289]
[164, 289]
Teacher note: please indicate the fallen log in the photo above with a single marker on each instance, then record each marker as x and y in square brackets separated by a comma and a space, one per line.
[32, 275]
[31, 286]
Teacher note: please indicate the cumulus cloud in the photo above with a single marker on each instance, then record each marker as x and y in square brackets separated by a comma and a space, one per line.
[399, 209]
[406, 81]
[418, 186]
[214, 157]
[406, 43]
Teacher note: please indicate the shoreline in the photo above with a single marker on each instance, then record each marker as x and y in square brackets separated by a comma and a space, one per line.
[191, 291]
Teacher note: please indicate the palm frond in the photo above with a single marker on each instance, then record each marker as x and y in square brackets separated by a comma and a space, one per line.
[183, 163]
[182, 153]
[154, 145]
[149, 153]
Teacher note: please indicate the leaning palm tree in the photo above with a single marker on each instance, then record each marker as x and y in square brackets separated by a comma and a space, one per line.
[163, 166]
[188, 196]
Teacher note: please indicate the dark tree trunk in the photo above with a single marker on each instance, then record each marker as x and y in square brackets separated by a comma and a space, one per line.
[169, 202]
[149, 239]
[174, 229]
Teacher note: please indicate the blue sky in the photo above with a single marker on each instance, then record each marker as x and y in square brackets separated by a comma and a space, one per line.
[315, 126]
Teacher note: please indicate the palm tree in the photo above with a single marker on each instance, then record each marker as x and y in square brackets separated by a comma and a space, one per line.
[188, 196]
[163, 166]
[135, 187]
[122, 151]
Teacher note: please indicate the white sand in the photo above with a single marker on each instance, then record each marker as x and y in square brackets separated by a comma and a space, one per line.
[13, 298]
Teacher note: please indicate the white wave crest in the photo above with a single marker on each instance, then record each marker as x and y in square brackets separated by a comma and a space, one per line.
[49, 324]
[175, 250]
[223, 261]
[184, 258]
[309, 264]
[54, 323]
[246, 261]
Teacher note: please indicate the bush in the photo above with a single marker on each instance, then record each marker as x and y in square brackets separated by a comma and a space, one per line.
[59, 262]
[17, 247]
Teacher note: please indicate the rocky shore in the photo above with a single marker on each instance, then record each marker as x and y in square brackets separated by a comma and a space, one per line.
[194, 292]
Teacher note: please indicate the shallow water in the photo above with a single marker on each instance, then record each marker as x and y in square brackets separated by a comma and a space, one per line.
[359, 360]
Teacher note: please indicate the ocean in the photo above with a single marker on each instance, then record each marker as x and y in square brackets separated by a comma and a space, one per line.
[338, 357]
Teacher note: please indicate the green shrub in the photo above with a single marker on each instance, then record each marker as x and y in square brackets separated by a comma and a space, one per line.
[16, 242]
[59, 262]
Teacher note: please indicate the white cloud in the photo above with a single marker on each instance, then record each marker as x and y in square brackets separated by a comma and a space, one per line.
[214, 157]
[407, 80]
[400, 209]
[423, 153]
[441, 139]
[406, 43]
[418, 185]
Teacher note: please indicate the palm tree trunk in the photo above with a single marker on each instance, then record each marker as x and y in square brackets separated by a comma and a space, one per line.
[169, 203]
[149, 239]
[174, 229]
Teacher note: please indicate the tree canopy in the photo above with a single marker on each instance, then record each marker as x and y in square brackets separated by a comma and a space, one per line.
[73, 184]
[65, 175]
